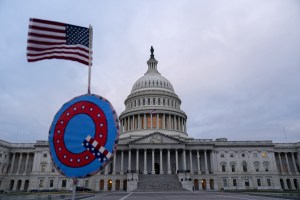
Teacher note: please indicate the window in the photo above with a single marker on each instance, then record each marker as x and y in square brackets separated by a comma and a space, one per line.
[223, 168]
[256, 166]
[233, 168]
[244, 164]
[63, 183]
[164, 101]
[143, 102]
[43, 168]
[258, 182]
[153, 102]
[247, 182]
[148, 101]
[86, 183]
[51, 183]
[222, 155]
[231, 155]
[0, 155]
[41, 183]
[45, 155]
[224, 182]
[243, 155]
[234, 182]
[269, 182]
[158, 101]
[266, 166]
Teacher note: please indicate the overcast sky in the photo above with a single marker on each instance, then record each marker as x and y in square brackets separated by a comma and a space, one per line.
[234, 64]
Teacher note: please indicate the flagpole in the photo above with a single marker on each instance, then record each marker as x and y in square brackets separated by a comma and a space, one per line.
[90, 57]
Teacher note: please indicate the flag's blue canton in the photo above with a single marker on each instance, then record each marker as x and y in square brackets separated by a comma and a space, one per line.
[77, 35]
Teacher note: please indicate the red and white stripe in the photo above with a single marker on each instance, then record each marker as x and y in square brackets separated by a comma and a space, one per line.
[47, 40]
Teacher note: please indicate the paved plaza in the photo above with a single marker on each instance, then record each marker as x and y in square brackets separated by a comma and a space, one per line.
[151, 196]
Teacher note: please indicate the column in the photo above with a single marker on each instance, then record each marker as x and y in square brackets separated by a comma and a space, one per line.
[191, 162]
[211, 160]
[169, 162]
[133, 123]
[139, 122]
[145, 161]
[184, 160]
[179, 123]
[145, 122]
[137, 160]
[176, 159]
[161, 162]
[153, 170]
[157, 115]
[280, 162]
[114, 165]
[287, 162]
[128, 123]
[294, 163]
[122, 162]
[151, 121]
[12, 163]
[129, 159]
[164, 122]
[205, 158]
[198, 163]
[106, 170]
[170, 122]
[26, 163]
[175, 122]
[19, 164]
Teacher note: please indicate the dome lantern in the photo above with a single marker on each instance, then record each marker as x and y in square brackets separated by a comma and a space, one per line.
[152, 63]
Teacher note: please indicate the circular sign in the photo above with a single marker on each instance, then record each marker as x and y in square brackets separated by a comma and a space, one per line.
[83, 135]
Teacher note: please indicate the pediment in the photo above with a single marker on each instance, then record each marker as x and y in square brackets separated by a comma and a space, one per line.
[156, 138]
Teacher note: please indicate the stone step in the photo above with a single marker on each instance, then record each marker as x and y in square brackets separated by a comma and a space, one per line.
[158, 182]
[158, 177]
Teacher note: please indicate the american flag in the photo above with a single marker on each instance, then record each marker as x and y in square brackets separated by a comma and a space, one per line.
[48, 39]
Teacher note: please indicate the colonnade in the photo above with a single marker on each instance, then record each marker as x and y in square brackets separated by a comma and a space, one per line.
[175, 161]
[286, 162]
[153, 121]
[19, 164]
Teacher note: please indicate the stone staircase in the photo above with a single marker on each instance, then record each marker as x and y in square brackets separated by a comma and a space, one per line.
[158, 182]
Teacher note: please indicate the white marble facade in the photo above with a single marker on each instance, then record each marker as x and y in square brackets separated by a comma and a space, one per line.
[154, 140]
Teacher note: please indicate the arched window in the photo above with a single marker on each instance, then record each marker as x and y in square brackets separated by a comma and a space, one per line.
[256, 166]
[266, 166]
[232, 165]
[101, 184]
[117, 185]
[109, 184]
[244, 165]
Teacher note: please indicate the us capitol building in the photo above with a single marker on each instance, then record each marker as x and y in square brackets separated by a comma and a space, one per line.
[155, 153]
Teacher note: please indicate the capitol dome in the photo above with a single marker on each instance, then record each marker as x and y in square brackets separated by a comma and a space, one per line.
[152, 79]
[152, 106]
